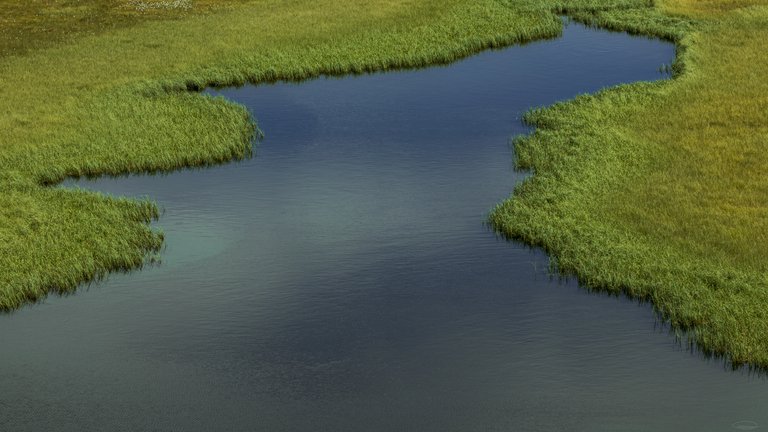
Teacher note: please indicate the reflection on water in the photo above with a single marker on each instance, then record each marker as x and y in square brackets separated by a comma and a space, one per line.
[344, 280]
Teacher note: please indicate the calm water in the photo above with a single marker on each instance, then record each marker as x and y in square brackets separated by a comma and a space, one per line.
[343, 280]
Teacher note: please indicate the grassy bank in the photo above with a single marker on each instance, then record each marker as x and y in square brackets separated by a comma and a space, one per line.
[111, 96]
[659, 190]
[651, 189]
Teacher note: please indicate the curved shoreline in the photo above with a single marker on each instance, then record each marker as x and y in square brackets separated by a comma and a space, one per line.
[141, 118]
[129, 123]
[591, 205]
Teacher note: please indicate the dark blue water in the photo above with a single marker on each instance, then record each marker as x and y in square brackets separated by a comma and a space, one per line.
[344, 280]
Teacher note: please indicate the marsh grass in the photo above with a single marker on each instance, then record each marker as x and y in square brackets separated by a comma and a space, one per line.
[652, 190]
[121, 99]
[656, 190]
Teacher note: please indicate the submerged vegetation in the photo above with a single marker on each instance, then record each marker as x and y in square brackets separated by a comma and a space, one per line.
[655, 190]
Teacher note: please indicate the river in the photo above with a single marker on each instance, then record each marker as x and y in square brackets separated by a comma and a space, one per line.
[344, 279]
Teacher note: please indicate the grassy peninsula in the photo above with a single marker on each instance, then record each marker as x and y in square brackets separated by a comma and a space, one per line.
[655, 190]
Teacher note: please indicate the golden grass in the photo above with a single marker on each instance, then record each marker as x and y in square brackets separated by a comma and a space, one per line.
[706, 8]
[35, 24]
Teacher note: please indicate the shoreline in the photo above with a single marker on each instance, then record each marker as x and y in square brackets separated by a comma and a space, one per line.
[128, 123]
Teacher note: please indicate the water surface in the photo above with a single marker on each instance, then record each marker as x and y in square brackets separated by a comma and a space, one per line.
[344, 280]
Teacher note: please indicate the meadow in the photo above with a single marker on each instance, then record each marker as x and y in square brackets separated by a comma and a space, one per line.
[653, 190]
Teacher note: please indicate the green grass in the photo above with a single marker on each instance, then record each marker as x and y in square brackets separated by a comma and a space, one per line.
[655, 190]
[659, 190]
[112, 98]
